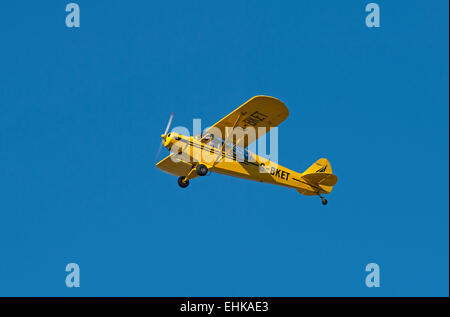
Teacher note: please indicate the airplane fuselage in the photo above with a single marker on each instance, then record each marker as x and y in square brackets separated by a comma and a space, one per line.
[228, 162]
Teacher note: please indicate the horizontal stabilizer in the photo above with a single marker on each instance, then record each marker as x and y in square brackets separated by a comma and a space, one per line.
[324, 179]
[317, 183]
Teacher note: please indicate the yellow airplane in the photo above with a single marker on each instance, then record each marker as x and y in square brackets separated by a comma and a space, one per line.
[193, 156]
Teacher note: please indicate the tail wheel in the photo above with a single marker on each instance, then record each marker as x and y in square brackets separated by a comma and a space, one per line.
[324, 201]
[182, 182]
[201, 170]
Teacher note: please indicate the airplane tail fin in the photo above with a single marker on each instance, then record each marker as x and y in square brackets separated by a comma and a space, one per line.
[320, 166]
[318, 179]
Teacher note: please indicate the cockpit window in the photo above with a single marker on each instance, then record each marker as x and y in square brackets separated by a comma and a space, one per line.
[237, 152]
[208, 137]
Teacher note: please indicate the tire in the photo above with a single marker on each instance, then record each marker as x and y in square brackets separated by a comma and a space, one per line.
[201, 170]
[324, 201]
[181, 182]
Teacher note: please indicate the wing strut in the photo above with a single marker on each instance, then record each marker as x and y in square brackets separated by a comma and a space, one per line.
[226, 141]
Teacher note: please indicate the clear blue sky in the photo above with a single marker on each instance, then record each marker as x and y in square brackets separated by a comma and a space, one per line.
[82, 111]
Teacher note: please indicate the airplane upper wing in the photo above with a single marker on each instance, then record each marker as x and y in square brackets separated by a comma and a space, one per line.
[175, 166]
[259, 111]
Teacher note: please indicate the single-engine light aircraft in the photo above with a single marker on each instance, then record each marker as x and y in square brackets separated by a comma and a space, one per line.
[193, 156]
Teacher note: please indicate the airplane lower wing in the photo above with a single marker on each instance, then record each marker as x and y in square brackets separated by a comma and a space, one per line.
[175, 166]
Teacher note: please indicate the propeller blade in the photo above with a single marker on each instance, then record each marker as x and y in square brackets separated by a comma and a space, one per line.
[168, 124]
[159, 150]
[165, 132]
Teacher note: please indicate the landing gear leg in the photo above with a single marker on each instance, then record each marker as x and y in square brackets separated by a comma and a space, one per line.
[183, 181]
[324, 201]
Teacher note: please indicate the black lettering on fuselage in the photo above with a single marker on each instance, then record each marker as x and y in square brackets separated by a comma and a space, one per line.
[279, 173]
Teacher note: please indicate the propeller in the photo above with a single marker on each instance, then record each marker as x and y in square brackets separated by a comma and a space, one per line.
[164, 138]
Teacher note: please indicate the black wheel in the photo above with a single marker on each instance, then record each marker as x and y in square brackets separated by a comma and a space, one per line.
[324, 201]
[201, 170]
[183, 183]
